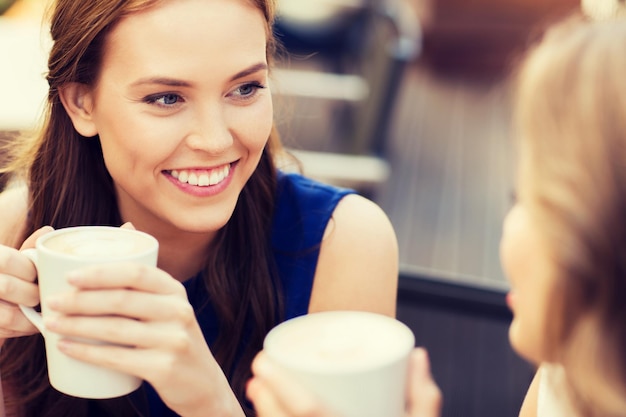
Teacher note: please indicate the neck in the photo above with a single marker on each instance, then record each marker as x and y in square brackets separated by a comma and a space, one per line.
[181, 263]
[183, 256]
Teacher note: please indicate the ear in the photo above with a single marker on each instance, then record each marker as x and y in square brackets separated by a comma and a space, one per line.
[77, 99]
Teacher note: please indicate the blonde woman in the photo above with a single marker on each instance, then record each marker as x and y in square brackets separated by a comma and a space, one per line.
[563, 246]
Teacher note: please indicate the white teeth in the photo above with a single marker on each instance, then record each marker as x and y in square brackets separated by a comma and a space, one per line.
[202, 179]
[182, 176]
[216, 177]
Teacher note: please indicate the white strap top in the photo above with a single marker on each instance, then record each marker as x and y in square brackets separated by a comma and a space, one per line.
[552, 400]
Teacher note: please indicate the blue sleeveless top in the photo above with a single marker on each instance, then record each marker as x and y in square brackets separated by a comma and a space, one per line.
[303, 209]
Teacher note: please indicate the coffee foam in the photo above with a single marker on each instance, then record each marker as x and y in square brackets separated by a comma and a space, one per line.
[339, 342]
[97, 244]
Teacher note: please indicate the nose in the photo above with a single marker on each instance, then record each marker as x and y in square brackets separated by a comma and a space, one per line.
[210, 131]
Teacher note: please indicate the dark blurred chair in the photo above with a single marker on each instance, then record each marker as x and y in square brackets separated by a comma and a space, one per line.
[362, 48]
[483, 39]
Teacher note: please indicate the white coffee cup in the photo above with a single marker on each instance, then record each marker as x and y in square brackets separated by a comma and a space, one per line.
[64, 250]
[356, 363]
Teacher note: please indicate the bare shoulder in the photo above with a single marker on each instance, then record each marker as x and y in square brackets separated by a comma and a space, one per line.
[357, 214]
[14, 209]
[361, 225]
[358, 263]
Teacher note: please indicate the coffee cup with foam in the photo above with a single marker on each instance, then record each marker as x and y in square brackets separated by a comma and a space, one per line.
[354, 362]
[55, 255]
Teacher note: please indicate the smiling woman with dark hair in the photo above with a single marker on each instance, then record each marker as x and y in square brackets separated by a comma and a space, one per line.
[160, 114]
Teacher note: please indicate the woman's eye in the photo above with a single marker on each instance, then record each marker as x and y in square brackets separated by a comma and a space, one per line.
[164, 100]
[247, 91]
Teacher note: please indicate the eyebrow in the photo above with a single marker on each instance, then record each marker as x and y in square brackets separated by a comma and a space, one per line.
[172, 82]
[261, 66]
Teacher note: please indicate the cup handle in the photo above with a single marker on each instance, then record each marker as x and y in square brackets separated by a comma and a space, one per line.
[30, 313]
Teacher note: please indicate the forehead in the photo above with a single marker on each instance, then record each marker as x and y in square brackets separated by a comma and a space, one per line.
[201, 32]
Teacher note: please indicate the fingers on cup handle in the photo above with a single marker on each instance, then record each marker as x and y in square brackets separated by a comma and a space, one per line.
[27, 271]
[18, 273]
[424, 396]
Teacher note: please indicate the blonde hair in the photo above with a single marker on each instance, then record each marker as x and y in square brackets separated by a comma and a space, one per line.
[571, 118]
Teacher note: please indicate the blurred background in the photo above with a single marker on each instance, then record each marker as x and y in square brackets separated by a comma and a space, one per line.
[408, 101]
[418, 118]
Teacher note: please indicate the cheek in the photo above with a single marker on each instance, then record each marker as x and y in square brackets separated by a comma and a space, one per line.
[518, 246]
[131, 137]
[256, 126]
[511, 249]
[504, 255]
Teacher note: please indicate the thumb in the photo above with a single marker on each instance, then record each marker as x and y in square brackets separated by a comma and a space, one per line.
[425, 397]
[128, 225]
[30, 241]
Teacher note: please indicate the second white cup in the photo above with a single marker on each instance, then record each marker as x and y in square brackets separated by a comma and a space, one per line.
[355, 362]
[55, 255]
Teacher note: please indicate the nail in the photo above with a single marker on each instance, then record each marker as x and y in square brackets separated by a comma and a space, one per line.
[73, 277]
[65, 345]
[54, 302]
[51, 323]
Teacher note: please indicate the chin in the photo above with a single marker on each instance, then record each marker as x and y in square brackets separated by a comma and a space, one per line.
[200, 227]
[531, 350]
[525, 347]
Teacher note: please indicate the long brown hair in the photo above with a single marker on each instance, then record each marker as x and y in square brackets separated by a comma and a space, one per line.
[70, 185]
[571, 115]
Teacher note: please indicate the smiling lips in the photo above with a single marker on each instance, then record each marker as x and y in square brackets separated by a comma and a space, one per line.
[201, 178]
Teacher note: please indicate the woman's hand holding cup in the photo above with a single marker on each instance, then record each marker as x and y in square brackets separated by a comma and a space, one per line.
[148, 326]
[109, 308]
[57, 257]
[339, 364]
[144, 316]
[17, 286]
[276, 394]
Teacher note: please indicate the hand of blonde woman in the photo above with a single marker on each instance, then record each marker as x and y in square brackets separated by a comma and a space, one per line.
[274, 394]
[17, 286]
[424, 397]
